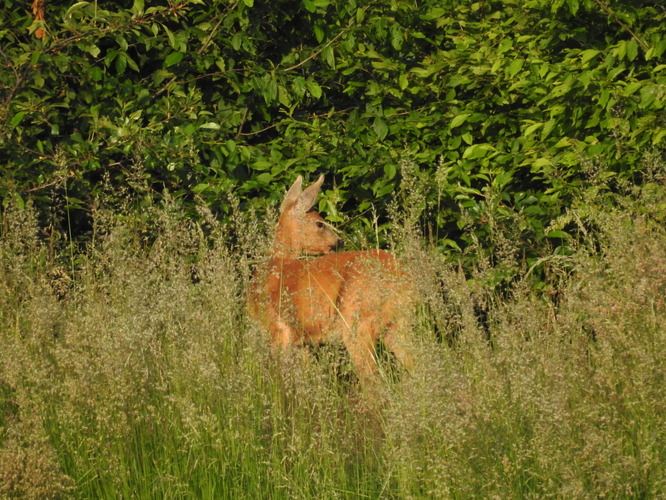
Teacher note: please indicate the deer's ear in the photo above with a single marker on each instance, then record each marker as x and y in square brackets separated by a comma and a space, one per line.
[309, 195]
[293, 195]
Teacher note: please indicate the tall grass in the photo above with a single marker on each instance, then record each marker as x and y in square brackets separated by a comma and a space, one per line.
[140, 377]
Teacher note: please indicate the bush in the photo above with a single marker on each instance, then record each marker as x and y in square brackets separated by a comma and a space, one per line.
[508, 111]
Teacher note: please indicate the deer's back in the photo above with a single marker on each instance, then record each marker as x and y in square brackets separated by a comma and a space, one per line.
[318, 296]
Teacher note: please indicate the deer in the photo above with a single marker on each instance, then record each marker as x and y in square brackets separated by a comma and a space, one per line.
[307, 294]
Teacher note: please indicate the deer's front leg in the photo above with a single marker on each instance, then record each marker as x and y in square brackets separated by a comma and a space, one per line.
[281, 332]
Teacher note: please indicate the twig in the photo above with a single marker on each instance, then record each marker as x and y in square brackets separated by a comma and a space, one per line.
[204, 45]
[619, 21]
[317, 52]
[242, 122]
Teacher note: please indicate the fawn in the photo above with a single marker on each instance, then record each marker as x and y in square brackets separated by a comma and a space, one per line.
[359, 297]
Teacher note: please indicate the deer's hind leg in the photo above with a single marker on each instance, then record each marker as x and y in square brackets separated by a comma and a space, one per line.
[282, 334]
[397, 320]
[360, 333]
[395, 340]
[363, 355]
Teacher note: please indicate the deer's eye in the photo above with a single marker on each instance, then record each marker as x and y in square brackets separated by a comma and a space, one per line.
[320, 224]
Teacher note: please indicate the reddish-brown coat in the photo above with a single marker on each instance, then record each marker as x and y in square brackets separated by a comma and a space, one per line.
[357, 296]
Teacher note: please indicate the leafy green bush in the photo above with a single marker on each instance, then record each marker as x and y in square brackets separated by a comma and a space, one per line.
[507, 112]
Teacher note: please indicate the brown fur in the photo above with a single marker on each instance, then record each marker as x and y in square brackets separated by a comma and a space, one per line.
[354, 296]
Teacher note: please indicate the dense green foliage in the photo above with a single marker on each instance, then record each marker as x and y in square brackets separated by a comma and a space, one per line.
[505, 110]
[522, 139]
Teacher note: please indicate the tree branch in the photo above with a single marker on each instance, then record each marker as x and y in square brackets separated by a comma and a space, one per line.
[317, 52]
[624, 25]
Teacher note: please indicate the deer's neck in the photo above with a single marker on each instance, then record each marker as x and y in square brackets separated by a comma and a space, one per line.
[284, 247]
[282, 252]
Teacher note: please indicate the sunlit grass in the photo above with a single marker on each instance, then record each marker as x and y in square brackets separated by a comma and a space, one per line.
[139, 376]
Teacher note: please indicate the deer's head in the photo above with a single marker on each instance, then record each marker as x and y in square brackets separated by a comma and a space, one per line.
[301, 230]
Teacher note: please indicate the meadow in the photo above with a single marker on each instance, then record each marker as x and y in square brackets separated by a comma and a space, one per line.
[129, 369]
[510, 153]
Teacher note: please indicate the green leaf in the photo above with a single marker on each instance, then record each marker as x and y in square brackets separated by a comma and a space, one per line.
[381, 190]
[122, 43]
[262, 165]
[477, 151]
[173, 58]
[121, 63]
[137, 7]
[75, 7]
[657, 136]
[16, 119]
[201, 187]
[284, 97]
[547, 129]
[329, 56]
[171, 37]
[573, 6]
[648, 97]
[434, 13]
[515, 67]
[20, 202]
[249, 3]
[39, 80]
[532, 128]
[265, 178]
[459, 120]
[380, 128]
[131, 63]
[632, 49]
[318, 32]
[313, 88]
[558, 233]
[73, 202]
[450, 243]
[588, 55]
[632, 88]
[390, 170]
[540, 163]
[403, 82]
[236, 41]
[93, 50]
[502, 179]
[397, 38]
[423, 72]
